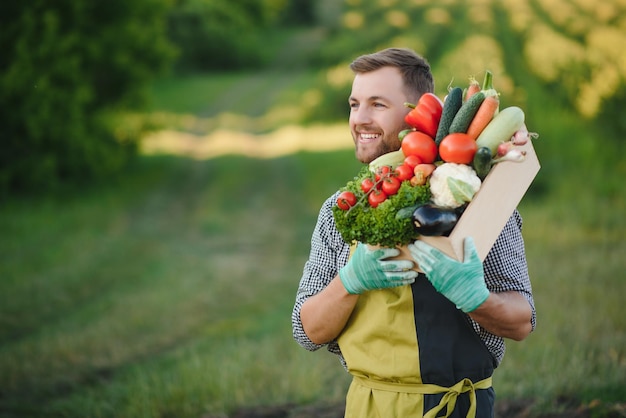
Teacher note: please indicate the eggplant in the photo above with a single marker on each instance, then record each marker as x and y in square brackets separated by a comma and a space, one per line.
[432, 220]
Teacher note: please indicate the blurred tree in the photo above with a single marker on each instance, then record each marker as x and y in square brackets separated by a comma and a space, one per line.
[226, 35]
[298, 13]
[66, 67]
[216, 34]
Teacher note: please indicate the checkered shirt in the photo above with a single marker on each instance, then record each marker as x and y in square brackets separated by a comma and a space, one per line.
[505, 270]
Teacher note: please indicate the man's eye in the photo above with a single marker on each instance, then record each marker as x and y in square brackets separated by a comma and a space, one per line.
[377, 104]
[354, 105]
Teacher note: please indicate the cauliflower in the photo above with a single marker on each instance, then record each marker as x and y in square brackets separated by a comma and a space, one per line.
[452, 185]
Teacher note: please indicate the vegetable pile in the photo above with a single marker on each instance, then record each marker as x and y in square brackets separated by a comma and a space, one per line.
[424, 187]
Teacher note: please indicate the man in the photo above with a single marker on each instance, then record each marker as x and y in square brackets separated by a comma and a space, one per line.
[416, 345]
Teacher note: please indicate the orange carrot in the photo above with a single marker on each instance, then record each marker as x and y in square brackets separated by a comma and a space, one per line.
[422, 172]
[474, 87]
[485, 113]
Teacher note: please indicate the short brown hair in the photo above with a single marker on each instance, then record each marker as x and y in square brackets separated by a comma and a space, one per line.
[415, 70]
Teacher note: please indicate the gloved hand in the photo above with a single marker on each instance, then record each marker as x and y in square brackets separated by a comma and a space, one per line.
[368, 270]
[463, 283]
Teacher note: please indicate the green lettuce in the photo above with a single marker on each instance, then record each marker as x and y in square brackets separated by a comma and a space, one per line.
[379, 226]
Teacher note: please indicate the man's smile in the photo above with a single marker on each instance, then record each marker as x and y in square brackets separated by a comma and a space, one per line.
[368, 137]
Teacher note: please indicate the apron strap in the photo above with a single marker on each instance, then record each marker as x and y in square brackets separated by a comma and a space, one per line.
[448, 400]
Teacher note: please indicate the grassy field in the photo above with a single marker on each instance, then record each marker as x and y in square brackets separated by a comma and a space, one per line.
[169, 293]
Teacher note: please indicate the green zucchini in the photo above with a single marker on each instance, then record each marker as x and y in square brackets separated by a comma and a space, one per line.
[450, 107]
[501, 128]
[466, 113]
[406, 212]
[482, 162]
[391, 159]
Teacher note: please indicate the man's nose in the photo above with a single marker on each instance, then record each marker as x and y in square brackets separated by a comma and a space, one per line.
[360, 115]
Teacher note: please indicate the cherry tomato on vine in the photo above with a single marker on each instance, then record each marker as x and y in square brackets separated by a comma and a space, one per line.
[382, 172]
[346, 200]
[458, 148]
[367, 184]
[391, 185]
[419, 144]
[376, 197]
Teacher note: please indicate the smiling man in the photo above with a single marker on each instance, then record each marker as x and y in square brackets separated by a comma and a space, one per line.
[416, 345]
[376, 106]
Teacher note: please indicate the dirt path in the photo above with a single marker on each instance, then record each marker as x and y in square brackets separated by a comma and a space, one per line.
[285, 141]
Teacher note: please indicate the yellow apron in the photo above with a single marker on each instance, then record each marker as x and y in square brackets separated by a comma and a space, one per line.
[413, 354]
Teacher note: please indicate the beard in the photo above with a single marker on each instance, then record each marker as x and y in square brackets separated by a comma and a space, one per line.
[366, 153]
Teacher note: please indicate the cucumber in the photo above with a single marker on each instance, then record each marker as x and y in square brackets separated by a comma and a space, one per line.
[482, 162]
[406, 212]
[501, 128]
[391, 159]
[466, 113]
[450, 108]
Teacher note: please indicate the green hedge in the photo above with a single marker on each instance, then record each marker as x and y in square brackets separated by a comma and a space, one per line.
[67, 67]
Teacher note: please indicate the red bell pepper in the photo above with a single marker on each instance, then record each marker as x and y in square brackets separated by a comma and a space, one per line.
[426, 114]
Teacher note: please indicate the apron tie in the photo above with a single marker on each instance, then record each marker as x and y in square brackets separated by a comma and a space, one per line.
[448, 400]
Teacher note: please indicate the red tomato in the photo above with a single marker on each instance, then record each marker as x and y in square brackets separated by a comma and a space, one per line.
[376, 197]
[412, 160]
[458, 148]
[403, 172]
[391, 185]
[367, 184]
[419, 144]
[346, 200]
[382, 172]
[403, 133]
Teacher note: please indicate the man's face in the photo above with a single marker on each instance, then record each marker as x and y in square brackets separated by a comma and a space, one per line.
[377, 112]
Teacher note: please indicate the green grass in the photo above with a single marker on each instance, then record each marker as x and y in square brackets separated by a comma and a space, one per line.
[170, 294]
[189, 95]
[578, 346]
[186, 272]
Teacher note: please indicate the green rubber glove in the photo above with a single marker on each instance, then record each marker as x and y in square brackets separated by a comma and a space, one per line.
[367, 269]
[463, 283]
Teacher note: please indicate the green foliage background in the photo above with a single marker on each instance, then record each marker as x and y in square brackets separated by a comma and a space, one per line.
[67, 67]
[70, 69]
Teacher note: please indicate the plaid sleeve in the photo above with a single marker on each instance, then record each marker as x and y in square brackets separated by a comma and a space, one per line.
[328, 254]
[506, 270]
